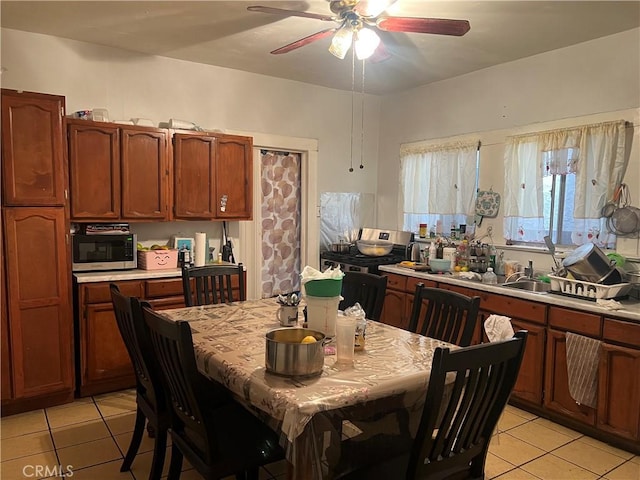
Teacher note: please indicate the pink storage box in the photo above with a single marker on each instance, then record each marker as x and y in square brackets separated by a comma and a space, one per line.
[158, 259]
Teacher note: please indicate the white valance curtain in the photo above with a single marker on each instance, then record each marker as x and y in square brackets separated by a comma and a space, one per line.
[438, 183]
[594, 153]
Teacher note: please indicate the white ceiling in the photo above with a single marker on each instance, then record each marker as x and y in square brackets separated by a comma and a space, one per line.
[224, 33]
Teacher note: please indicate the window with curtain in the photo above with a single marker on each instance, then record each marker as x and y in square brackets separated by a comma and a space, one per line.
[438, 185]
[556, 183]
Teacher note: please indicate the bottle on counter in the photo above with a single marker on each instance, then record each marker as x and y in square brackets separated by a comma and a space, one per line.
[432, 250]
[500, 264]
[439, 250]
[489, 277]
[492, 257]
[423, 230]
[462, 254]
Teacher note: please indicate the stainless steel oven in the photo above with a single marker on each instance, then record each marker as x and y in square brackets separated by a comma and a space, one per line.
[354, 261]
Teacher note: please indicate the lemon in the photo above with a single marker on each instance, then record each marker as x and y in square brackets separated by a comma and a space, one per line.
[309, 339]
[464, 269]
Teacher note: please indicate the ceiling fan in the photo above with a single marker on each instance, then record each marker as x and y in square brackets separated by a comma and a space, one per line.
[357, 21]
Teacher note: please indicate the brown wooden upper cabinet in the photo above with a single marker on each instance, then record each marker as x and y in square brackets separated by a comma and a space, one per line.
[33, 170]
[118, 173]
[212, 176]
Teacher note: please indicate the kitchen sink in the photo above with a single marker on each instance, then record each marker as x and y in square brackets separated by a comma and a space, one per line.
[529, 285]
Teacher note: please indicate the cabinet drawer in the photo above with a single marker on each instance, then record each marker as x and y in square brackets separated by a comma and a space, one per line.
[167, 302]
[396, 282]
[513, 307]
[413, 281]
[457, 289]
[163, 288]
[99, 292]
[622, 332]
[574, 321]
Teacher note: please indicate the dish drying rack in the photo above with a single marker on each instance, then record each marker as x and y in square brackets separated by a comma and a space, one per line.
[588, 290]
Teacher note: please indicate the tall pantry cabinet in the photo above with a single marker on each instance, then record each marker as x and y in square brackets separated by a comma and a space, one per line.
[37, 314]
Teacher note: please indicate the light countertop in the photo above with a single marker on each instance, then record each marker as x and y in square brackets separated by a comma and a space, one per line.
[135, 274]
[630, 307]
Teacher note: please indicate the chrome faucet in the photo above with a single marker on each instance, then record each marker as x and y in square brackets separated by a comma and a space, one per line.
[517, 275]
[528, 271]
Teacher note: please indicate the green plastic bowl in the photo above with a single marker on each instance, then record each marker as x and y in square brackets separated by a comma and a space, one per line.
[617, 258]
[330, 287]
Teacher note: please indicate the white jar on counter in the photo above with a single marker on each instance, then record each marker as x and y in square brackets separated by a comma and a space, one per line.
[449, 253]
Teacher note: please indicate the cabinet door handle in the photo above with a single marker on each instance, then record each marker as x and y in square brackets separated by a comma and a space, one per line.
[223, 203]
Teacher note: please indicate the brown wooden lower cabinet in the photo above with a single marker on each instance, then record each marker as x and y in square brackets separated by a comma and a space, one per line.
[542, 385]
[102, 359]
[525, 315]
[37, 326]
[393, 312]
[398, 300]
[529, 385]
[104, 364]
[556, 390]
[619, 391]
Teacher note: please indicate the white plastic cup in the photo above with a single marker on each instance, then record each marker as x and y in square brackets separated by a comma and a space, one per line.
[345, 338]
[322, 313]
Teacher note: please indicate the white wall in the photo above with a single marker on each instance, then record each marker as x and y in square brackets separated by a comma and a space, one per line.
[588, 80]
[134, 85]
[596, 81]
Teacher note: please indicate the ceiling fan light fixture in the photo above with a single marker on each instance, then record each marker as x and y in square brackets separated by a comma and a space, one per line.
[341, 42]
[366, 43]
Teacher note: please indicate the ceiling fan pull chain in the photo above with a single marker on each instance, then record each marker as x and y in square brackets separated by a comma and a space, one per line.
[353, 88]
[362, 122]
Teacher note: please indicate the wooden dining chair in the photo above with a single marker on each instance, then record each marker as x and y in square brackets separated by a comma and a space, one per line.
[151, 402]
[445, 315]
[366, 289]
[457, 419]
[217, 435]
[212, 284]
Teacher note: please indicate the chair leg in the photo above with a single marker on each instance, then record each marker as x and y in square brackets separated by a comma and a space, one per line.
[138, 431]
[176, 463]
[159, 450]
[252, 473]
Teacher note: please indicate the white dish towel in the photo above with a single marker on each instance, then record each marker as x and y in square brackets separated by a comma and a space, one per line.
[498, 327]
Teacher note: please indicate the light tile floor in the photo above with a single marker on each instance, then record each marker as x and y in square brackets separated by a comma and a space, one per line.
[91, 435]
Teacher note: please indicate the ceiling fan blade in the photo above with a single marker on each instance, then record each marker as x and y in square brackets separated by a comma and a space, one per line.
[290, 13]
[372, 8]
[438, 26]
[305, 41]
[380, 55]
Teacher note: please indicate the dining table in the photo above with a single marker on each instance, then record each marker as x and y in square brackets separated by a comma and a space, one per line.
[313, 414]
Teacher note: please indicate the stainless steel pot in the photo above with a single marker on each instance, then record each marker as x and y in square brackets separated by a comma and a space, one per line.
[341, 247]
[286, 355]
[589, 264]
[615, 276]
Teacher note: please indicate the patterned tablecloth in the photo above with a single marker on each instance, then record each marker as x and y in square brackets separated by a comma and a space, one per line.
[230, 347]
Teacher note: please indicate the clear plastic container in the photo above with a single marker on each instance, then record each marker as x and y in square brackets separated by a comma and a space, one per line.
[489, 277]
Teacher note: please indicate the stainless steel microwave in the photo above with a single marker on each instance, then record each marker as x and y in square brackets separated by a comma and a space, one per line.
[104, 252]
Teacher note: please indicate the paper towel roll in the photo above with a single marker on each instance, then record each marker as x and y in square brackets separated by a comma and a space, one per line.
[200, 249]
